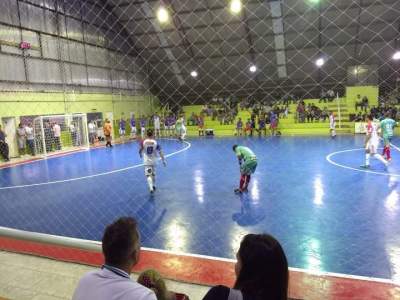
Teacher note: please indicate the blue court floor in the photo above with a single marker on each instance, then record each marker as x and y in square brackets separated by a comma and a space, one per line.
[308, 192]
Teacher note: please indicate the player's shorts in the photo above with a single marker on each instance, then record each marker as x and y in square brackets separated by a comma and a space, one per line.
[122, 132]
[372, 146]
[133, 130]
[387, 140]
[332, 126]
[248, 167]
[149, 170]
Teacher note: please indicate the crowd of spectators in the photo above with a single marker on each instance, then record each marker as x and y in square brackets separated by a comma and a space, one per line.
[386, 103]
[310, 113]
[261, 270]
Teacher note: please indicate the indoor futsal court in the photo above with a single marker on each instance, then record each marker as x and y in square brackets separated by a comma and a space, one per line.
[299, 194]
[210, 123]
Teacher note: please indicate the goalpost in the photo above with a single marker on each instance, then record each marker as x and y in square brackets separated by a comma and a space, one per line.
[60, 133]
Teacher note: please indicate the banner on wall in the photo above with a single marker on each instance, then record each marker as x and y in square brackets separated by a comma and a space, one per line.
[360, 127]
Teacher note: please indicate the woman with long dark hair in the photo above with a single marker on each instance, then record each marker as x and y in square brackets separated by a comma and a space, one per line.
[261, 271]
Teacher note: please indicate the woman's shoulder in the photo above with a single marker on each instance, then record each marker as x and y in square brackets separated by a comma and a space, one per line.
[220, 292]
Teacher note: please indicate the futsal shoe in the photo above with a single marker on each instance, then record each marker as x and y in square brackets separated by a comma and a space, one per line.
[238, 191]
[365, 166]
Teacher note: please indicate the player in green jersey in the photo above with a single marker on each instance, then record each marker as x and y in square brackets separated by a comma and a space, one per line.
[248, 164]
[387, 126]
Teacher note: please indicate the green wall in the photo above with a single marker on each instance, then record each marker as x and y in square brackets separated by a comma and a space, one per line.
[41, 103]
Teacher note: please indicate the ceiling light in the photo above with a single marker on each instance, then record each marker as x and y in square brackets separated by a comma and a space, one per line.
[194, 74]
[162, 15]
[396, 56]
[253, 68]
[235, 6]
[320, 62]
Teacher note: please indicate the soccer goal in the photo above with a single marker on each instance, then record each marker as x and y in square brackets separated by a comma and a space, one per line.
[60, 133]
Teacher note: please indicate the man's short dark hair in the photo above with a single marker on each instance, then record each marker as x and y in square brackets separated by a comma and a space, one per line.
[120, 241]
[234, 147]
[150, 132]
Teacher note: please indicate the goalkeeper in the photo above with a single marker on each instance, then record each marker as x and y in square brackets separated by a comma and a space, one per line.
[248, 164]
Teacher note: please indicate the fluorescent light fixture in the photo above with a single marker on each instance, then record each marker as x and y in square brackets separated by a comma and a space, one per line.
[320, 62]
[194, 74]
[235, 6]
[396, 56]
[162, 15]
[253, 68]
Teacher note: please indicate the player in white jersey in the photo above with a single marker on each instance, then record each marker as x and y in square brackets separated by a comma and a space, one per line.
[332, 125]
[180, 129]
[149, 151]
[157, 131]
[372, 143]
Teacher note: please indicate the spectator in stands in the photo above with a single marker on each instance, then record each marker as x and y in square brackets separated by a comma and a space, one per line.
[358, 102]
[4, 150]
[300, 112]
[261, 271]
[364, 103]
[262, 126]
[309, 113]
[325, 114]
[247, 130]
[107, 129]
[323, 97]
[330, 95]
[21, 136]
[274, 123]
[252, 125]
[121, 247]
[200, 124]
[153, 280]
[57, 135]
[30, 138]
[239, 127]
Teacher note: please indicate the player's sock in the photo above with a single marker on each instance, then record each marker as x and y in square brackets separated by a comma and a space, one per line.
[242, 180]
[150, 182]
[384, 151]
[246, 184]
[388, 156]
[380, 158]
[367, 157]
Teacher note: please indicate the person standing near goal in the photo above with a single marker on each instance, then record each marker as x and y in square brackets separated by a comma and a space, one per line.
[149, 151]
[133, 127]
[107, 129]
[372, 143]
[142, 126]
[157, 131]
[332, 125]
[122, 129]
[180, 129]
[248, 164]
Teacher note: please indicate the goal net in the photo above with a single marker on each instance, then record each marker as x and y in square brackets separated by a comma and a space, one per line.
[60, 133]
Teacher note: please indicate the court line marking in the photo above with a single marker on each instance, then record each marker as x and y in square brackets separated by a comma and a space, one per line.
[79, 242]
[311, 272]
[329, 159]
[188, 145]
